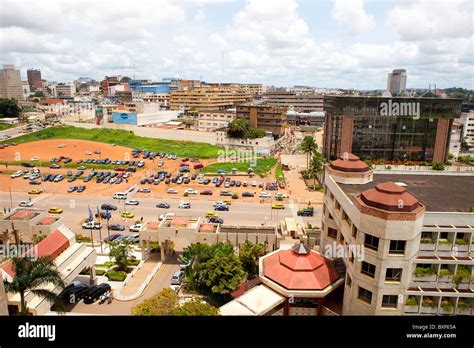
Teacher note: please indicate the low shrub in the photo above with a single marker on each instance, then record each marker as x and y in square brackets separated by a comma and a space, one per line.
[411, 301]
[428, 302]
[116, 276]
[421, 272]
[444, 272]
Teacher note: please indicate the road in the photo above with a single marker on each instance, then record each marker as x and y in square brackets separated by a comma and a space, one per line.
[15, 131]
[76, 209]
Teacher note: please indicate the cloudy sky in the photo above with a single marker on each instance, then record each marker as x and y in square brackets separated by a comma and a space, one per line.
[321, 43]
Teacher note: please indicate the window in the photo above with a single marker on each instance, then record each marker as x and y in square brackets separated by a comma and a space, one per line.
[371, 242]
[397, 247]
[393, 274]
[351, 257]
[354, 231]
[367, 269]
[365, 295]
[348, 281]
[389, 301]
[332, 232]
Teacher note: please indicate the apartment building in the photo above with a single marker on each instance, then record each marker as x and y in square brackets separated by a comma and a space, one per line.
[268, 118]
[397, 81]
[467, 121]
[63, 90]
[406, 239]
[207, 98]
[415, 129]
[10, 83]
[161, 98]
[213, 120]
[298, 102]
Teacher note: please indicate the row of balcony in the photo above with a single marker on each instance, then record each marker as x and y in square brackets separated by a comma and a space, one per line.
[438, 305]
[446, 276]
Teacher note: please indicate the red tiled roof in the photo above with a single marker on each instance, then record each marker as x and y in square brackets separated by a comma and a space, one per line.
[23, 215]
[300, 271]
[391, 197]
[53, 245]
[47, 221]
[152, 225]
[180, 220]
[206, 228]
[52, 101]
[351, 163]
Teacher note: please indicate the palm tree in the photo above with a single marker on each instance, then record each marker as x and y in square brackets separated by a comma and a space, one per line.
[29, 275]
[238, 127]
[248, 255]
[316, 167]
[308, 145]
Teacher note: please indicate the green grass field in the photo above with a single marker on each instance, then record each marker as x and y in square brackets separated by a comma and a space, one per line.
[124, 138]
[262, 167]
[279, 172]
[6, 126]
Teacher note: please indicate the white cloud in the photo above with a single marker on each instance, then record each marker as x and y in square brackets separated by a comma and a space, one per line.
[418, 20]
[351, 14]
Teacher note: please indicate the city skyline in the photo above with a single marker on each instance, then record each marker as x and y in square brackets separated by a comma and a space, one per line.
[327, 44]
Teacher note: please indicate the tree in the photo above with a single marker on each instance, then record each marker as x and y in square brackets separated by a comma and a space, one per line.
[222, 273]
[248, 255]
[30, 275]
[122, 253]
[38, 94]
[316, 167]
[161, 303]
[308, 146]
[195, 308]
[238, 128]
[9, 108]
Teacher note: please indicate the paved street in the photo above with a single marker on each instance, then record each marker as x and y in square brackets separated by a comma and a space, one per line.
[76, 209]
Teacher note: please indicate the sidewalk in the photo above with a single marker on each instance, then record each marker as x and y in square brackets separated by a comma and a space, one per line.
[133, 285]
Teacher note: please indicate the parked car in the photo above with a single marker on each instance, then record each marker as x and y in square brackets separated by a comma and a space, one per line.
[247, 194]
[216, 220]
[264, 194]
[206, 193]
[107, 206]
[173, 191]
[95, 292]
[112, 237]
[132, 202]
[81, 189]
[94, 225]
[163, 205]
[144, 190]
[191, 191]
[72, 189]
[136, 227]
[177, 278]
[116, 227]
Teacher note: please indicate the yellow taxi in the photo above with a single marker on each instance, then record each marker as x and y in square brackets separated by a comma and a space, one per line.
[126, 214]
[211, 214]
[278, 206]
[55, 210]
[35, 192]
[228, 202]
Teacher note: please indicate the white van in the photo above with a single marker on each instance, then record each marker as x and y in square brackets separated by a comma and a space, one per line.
[120, 195]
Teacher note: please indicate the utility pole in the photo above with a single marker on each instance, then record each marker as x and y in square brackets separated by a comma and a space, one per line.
[11, 200]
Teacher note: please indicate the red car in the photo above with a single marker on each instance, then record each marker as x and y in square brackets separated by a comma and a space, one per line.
[119, 175]
[281, 184]
[198, 166]
[79, 161]
[184, 165]
[119, 169]
[206, 193]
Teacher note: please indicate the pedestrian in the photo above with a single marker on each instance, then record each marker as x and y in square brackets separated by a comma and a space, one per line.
[174, 252]
[141, 219]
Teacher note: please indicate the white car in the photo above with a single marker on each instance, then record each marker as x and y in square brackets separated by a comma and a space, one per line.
[184, 205]
[16, 174]
[254, 184]
[132, 202]
[36, 158]
[282, 195]
[25, 204]
[161, 164]
[136, 227]
[180, 180]
[133, 238]
[91, 225]
[112, 180]
[191, 191]
[88, 153]
[62, 145]
[144, 190]
[217, 204]
[172, 190]
[265, 195]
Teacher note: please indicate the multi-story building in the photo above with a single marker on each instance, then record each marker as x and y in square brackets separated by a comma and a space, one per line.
[10, 83]
[161, 98]
[389, 128]
[268, 118]
[397, 81]
[63, 90]
[467, 120]
[212, 120]
[25, 88]
[299, 102]
[406, 239]
[34, 79]
[455, 141]
[314, 118]
[207, 98]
